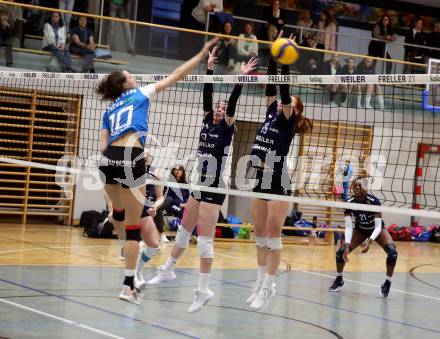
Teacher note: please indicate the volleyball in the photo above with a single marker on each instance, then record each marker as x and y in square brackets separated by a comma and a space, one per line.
[285, 51]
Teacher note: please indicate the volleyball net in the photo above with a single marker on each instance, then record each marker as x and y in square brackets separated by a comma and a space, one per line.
[50, 128]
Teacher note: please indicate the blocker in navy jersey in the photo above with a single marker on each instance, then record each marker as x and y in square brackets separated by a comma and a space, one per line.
[273, 139]
[364, 219]
[129, 113]
[214, 142]
[274, 136]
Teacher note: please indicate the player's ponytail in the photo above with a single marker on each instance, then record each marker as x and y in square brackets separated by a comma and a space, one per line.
[112, 86]
[303, 124]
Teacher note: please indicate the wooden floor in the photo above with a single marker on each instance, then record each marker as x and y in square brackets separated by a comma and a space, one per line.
[54, 283]
[65, 246]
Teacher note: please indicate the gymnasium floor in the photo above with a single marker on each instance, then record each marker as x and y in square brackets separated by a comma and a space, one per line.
[56, 284]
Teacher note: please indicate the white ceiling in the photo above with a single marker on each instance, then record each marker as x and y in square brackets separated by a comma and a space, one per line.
[431, 3]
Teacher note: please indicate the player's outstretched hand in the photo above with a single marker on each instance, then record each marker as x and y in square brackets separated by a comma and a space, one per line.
[210, 44]
[212, 58]
[248, 67]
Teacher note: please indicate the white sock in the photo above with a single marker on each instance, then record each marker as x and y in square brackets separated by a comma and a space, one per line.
[203, 281]
[339, 274]
[129, 273]
[122, 243]
[388, 278]
[269, 280]
[260, 274]
[170, 264]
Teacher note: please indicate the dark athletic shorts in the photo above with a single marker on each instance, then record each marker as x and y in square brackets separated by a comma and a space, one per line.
[209, 197]
[279, 184]
[129, 172]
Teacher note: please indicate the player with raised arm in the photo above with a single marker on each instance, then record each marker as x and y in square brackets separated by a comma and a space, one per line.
[269, 153]
[203, 208]
[122, 168]
[368, 228]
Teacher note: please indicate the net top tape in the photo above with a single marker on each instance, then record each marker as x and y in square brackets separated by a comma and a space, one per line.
[393, 79]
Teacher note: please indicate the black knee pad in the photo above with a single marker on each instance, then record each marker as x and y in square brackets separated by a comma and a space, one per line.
[119, 215]
[340, 256]
[133, 235]
[390, 249]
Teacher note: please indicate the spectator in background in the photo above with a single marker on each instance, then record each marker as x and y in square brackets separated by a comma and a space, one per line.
[309, 61]
[16, 14]
[6, 29]
[247, 49]
[347, 176]
[434, 41]
[275, 17]
[67, 5]
[176, 198]
[82, 43]
[54, 41]
[326, 38]
[304, 21]
[226, 50]
[332, 67]
[384, 32]
[119, 9]
[415, 36]
[366, 66]
[200, 12]
[348, 69]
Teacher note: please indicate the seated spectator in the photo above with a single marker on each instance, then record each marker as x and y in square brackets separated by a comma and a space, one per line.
[309, 61]
[326, 37]
[200, 12]
[6, 29]
[247, 49]
[16, 13]
[226, 50]
[275, 17]
[332, 67]
[415, 36]
[54, 41]
[434, 41]
[82, 43]
[304, 21]
[348, 69]
[366, 67]
[385, 32]
[175, 201]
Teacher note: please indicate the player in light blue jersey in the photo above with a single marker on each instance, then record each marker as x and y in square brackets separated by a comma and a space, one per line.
[124, 127]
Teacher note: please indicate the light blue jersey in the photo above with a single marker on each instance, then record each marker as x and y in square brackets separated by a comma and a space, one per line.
[129, 113]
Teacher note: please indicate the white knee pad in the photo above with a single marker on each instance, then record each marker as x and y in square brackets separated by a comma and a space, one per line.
[206, 247]
[274, 244]
[261, 242]
[150, 252]
[182, 237]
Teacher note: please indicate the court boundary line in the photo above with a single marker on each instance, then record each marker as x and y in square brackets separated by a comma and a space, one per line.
[64, 320]
[349, 280]
[412, 273]
[370, 285]
[155, 325]
[322, 304]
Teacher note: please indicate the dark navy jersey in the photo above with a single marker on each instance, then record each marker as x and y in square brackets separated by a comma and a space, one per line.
[129, 113]
[274, 136]
[214, 142]
[364, 219]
